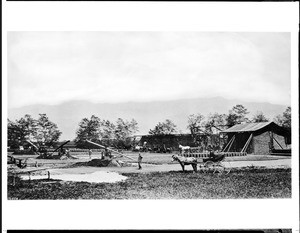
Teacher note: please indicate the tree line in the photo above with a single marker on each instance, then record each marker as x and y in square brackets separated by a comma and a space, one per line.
[198, 123]
[44, 132]
[118, 134]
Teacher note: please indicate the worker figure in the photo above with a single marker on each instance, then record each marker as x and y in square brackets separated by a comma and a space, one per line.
[67, 151]
[140, 161]
[62, 151]
[211, 154]
[90, 153]
[45, 151]
[107, 153]
[145, 147]
[102, 155]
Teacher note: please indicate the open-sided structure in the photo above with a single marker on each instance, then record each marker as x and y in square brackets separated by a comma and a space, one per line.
[258, 138]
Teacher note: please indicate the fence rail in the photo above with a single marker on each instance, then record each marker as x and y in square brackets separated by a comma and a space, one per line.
[206, 154]
[79, 150]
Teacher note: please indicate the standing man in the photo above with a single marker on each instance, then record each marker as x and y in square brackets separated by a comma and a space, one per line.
[145, 147]
[140, 161]
[102, 155]
[90, 153]
[67, 151]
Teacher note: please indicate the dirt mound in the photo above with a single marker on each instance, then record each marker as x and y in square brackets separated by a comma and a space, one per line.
[61, 157]
[103, 163]
[99, 162]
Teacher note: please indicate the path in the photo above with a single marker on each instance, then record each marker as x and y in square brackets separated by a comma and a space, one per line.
[281, 163]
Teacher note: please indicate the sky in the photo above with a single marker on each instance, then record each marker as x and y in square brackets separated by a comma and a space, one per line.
[113, 67]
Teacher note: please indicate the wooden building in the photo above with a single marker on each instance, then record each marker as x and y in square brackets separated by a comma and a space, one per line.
[258, 138]
[172, 141]
[167, 141]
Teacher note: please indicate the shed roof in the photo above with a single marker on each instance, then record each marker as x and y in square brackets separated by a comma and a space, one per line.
[248, 127]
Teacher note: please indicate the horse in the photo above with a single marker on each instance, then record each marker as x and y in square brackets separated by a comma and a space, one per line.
[185, 161]
[138, 148]
[184, 148]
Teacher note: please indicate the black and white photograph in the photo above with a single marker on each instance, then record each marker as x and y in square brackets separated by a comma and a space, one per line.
[149, 115]
[112, 116]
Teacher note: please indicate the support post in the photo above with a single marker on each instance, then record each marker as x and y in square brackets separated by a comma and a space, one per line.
[228, 143]
[277, 142]
[14, 179]
[48, 175]
[247, 143]
[231, 143]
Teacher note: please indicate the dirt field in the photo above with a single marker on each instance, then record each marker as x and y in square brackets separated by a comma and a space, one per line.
[153, 158]
[250, 177]
[152, 162]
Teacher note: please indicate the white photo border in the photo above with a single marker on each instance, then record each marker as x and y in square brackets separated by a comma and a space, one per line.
[153, 16]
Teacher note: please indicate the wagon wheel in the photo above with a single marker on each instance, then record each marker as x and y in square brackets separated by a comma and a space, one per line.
[201, 167]
[209, 166]
[219, 168]
[227, 168]
[222, 169]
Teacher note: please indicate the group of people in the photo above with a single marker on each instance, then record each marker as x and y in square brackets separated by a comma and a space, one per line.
[107, 153]
[64, 151]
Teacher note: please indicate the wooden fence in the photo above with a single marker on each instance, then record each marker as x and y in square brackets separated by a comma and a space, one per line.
[206, 154]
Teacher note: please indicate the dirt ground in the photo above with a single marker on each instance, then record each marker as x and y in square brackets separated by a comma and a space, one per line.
[151, 163]
[280, 163]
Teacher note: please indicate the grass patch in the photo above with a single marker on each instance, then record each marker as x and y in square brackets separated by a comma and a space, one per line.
[251, 183]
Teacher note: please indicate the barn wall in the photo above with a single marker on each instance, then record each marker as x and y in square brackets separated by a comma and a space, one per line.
[170, 141]
[260, 144]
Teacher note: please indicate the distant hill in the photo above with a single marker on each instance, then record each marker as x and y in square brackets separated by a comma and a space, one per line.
[67, 115]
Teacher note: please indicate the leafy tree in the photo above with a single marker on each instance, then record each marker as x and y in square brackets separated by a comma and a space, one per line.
[89, 129]
[215, 122]
[259, 117]
[46, 132]
[41, 131]
[15, 135]
[231, 119]
[107, 132]
[124, 130]
[20, 130]
[285, 120]
[196, 123]
[237, 115]
[167, 127]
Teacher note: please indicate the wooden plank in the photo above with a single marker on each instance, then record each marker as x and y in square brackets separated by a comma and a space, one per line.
[231, 143]
[227, 144]
[59, 147]
[109, 149]
[281, 154]
[32, 144]
[37, 169]
[277, 142]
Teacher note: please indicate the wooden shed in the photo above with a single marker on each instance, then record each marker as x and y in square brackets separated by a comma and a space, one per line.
[258, 138]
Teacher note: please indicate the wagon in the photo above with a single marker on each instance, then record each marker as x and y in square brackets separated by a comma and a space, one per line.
[215, 164]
